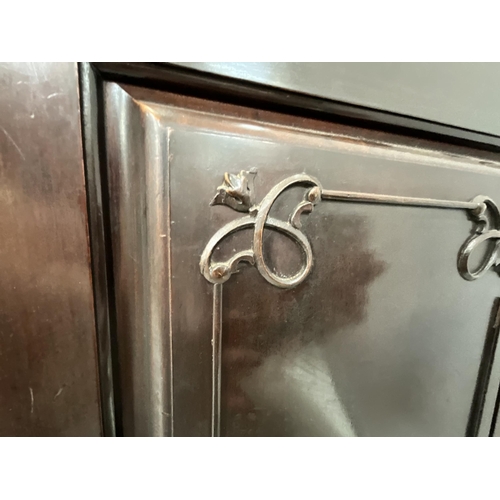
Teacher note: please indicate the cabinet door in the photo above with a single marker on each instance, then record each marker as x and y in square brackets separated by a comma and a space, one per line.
[258, 295]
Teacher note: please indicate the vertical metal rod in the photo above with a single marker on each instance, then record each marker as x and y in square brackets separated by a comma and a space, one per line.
[216, 358]
[482, 389]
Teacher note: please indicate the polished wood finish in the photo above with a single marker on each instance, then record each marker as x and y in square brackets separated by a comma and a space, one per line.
[295, 102]
[458, 94]
[48, 368]
[384, 338]
[97, 197]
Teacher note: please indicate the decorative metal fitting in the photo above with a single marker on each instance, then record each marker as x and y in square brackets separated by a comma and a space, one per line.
[237, 192]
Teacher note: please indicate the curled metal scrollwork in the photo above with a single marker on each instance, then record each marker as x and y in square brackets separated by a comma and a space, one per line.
[236, 192]
[487, 218]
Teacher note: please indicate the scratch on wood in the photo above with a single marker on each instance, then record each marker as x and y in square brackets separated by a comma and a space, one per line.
[32, 400]
[13, 142]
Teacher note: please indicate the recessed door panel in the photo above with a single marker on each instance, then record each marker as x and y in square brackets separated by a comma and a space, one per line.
[284, 277]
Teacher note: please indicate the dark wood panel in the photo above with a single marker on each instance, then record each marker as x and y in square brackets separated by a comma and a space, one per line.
[182, 80]
[48, 372]
[385, 337]
[459, 94]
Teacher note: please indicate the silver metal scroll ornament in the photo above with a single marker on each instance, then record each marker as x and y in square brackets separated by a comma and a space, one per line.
[237, 193]
[487, 218]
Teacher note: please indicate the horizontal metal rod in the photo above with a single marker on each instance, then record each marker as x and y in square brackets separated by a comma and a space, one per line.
[396, 200]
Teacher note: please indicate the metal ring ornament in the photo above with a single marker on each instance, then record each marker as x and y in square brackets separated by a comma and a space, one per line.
[487, 217]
